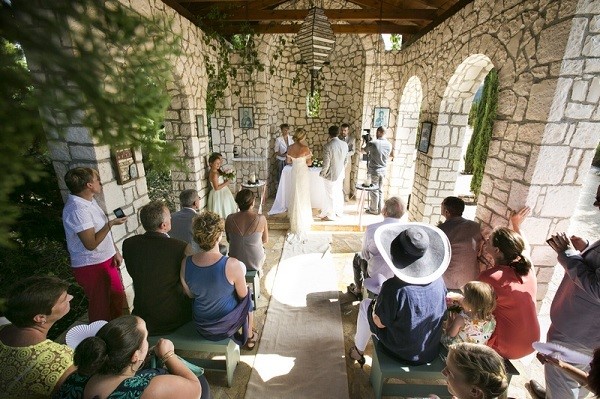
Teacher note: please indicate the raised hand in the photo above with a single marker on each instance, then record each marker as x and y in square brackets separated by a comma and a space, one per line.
[559, 242]
[579, 243]
[517, 217]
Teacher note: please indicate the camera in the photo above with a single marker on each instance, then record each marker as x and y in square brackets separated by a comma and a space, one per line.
[367, 136]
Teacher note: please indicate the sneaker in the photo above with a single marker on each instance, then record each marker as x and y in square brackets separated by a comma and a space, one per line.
[370, 212]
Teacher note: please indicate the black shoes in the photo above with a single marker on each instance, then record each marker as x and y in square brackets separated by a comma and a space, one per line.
[535, 388]
[354, 290]
[354, 354]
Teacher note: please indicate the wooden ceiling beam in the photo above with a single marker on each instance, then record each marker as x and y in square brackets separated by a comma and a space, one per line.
[274, 28]
[334, 15]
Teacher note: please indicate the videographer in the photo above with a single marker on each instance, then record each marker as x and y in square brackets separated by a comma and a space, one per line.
[378, 151]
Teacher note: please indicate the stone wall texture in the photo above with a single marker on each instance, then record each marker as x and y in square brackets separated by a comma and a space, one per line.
[547, 54]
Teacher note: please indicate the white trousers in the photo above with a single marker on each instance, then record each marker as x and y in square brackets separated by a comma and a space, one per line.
[334, 198]
[363, 330]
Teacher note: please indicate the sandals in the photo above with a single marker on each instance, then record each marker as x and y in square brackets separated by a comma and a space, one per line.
[354, 290]
[251, 341]
[355, 354]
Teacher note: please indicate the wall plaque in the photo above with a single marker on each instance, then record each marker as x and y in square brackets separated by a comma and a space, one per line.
[124, 163]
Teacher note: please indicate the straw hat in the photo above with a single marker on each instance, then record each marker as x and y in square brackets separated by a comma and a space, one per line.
[417, 253]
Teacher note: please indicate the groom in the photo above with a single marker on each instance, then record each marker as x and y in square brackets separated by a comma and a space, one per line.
[334, 160]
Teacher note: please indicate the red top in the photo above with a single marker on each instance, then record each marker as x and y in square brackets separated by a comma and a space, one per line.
[517, 326]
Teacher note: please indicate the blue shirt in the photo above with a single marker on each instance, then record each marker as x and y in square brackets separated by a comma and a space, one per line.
[413, 316]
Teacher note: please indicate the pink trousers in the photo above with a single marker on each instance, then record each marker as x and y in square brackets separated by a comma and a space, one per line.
[103, 288]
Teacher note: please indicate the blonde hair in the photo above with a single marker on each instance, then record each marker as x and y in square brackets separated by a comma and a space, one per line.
[207, 229]
[482, 367]
[299, 134]
[481, 299]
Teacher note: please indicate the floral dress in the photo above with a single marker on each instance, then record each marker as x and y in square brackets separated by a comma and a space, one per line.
[130, 388]
[474, 331]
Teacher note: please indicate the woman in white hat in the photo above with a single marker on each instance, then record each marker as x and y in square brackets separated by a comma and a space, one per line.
[407, 316]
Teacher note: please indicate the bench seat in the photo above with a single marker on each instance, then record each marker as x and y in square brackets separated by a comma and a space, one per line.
[385, 367]
[186, 338]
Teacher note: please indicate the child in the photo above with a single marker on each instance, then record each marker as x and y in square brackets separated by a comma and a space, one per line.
[220, 199]
[475, 323]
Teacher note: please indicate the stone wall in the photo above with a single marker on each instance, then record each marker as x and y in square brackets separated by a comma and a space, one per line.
[547, 123]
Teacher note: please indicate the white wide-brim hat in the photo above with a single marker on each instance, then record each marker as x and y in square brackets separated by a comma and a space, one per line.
[417, 253]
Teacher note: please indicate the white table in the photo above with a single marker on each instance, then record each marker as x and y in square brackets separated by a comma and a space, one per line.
[284, 190]
[261, 186]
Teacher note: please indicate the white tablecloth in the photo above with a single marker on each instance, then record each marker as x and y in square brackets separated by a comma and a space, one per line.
[317, 190]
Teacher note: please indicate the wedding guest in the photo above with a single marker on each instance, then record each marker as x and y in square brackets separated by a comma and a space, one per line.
[220, 199]
[465, 238]
[575, 307]
[217, 283]
[110, 365]
[475, 371]
[514, 281]
[95, 259]
[32, 365]
[153, 260]
[181, 221]
[247, 232]
[393, 210]
[281, 147]
[407, 316]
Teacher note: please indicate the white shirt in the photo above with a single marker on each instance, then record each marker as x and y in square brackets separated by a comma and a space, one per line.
[78, 215]
[370, 253]
[282, 146]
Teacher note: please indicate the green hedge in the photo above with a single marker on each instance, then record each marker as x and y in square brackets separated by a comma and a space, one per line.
[483, 123]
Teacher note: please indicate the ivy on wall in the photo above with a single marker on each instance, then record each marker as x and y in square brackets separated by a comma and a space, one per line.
[483, 122]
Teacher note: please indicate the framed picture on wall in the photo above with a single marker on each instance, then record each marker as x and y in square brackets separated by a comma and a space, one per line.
[426, 128]
[381, 117]
[200, 125]
[246, 117]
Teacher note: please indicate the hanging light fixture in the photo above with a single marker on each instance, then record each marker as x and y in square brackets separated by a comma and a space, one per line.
[316, 42]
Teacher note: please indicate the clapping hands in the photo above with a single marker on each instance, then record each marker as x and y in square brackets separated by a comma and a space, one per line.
[559, 242]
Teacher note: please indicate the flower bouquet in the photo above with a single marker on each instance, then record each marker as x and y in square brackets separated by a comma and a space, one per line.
[316, 163]
[228, 174]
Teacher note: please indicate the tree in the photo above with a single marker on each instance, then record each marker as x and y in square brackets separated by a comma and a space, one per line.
[103, 65]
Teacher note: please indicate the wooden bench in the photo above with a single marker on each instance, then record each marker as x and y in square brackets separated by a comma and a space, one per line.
[253, 277]
[385, 366]
[186, 338]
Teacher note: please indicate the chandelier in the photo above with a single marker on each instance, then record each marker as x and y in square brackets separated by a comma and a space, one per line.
[316, 42]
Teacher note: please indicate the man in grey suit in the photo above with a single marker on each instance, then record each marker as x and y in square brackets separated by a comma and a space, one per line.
[574, 311]
[334, 161]
[181, 221]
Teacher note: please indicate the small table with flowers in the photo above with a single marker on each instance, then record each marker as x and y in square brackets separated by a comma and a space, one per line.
[261, 187]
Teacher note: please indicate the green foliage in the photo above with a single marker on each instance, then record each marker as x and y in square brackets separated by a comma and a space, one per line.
[112, 80]
[596, 160]
[38, 238]
[313, 104]
[160, 187]
[220, 69]
[396, 41]
[482, 129]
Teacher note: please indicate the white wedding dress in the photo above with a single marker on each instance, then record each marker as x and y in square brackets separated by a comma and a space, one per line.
[299, 210]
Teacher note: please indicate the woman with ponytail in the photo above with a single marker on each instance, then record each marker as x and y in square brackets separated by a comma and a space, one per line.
[110, 364]
[515, 284]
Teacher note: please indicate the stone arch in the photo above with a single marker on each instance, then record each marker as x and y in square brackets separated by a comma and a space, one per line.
[438, 179]
[404, 140]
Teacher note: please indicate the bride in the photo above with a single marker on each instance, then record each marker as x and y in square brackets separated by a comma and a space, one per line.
[299, 211]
